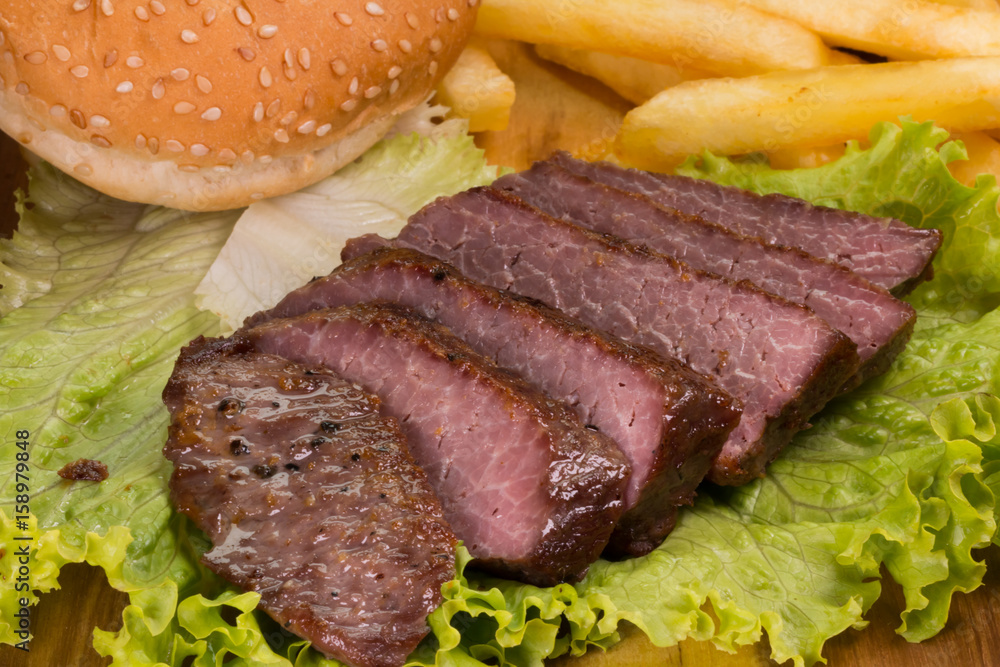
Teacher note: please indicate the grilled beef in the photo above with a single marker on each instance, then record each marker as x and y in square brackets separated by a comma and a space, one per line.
[779, 358]
[669, 421]
[887, 252]
[310, 498]
[531, 492]
[878, 323]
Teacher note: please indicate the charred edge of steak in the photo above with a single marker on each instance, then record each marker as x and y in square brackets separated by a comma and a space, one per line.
[310, 498]
[828, 233]
[581, 484]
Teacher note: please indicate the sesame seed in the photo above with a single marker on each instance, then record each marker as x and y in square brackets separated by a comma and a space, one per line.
[110, 58]
[98, 140]
[405, 46]
[247, 54]
[159, 90]
[78, 119]
[62, 53]
[141, 14]
[98, 120]
[265, 77]
[394, 86]
[80, 5]
[247, 156]
[243, 16]
[189, 36]
[379, 45]
[180, 74]
[372, 92]
[339, 67]
[204, 85]
[258, 111]
[124, 87]
[349, 105]
[432, 68]
[265, 159]
[192, 2]
[80, 71]
[309, 99]
[412, 21]
[453, 14]
[84, 169]
[267, 31]
[174, 146]
[289, 118]
[435, 45]
[107, 9]
[212, 113]
[227, 154]
[199, 150]
[305, 60]
[289, 58]
[208, 17]
[353, 87]
[154, 145]
[140, 141]
[323, 129]
[473, 3]
[343, 18]
[374, 9]
[157, 7]
[184, 108]
[36, 57]
[306, 127]
[190, 168]
[57, 110]
[281, 135]
[273, 108]
[135, 62]
[223, 168]
[395, 71]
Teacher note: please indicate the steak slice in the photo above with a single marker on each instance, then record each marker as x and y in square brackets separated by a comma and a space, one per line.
[531, 492]
[886, 251]
[310, 498]
[878, 323]
[781, 360]
[668, 421]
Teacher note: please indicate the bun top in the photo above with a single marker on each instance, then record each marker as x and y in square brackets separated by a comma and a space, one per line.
[210, 104]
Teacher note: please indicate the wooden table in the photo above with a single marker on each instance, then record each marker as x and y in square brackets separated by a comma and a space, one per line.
[555, 109]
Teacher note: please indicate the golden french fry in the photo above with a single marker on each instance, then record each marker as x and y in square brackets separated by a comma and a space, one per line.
[982, 5]
[819, 107]
[635, 80]
[804, 158]
[476, 89]
[984, 157]
[713, 36]
[900, 29]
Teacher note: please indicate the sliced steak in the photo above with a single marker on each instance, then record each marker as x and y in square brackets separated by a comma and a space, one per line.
[886, 251]
[779, 358]
[531, 492]
[310, 498]
[878, 323]
[669, 421]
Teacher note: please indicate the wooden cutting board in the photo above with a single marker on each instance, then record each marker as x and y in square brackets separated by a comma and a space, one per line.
[555, 109]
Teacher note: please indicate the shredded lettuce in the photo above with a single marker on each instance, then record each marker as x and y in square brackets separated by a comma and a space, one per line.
[903, 472]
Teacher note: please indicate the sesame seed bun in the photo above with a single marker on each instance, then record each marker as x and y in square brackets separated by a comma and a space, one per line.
[212, 104]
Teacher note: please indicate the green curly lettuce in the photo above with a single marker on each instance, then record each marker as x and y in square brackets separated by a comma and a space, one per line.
[902, 473]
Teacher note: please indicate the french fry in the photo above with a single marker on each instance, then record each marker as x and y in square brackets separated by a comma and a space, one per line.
[476, 89]
[804, 158]
[805, 109]
[724, 39]
[900, 29]
[984, 157]
[635, 80]
[982, 5]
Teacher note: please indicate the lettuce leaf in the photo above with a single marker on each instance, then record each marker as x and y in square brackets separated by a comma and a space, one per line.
[376, 194]
[902, 472]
